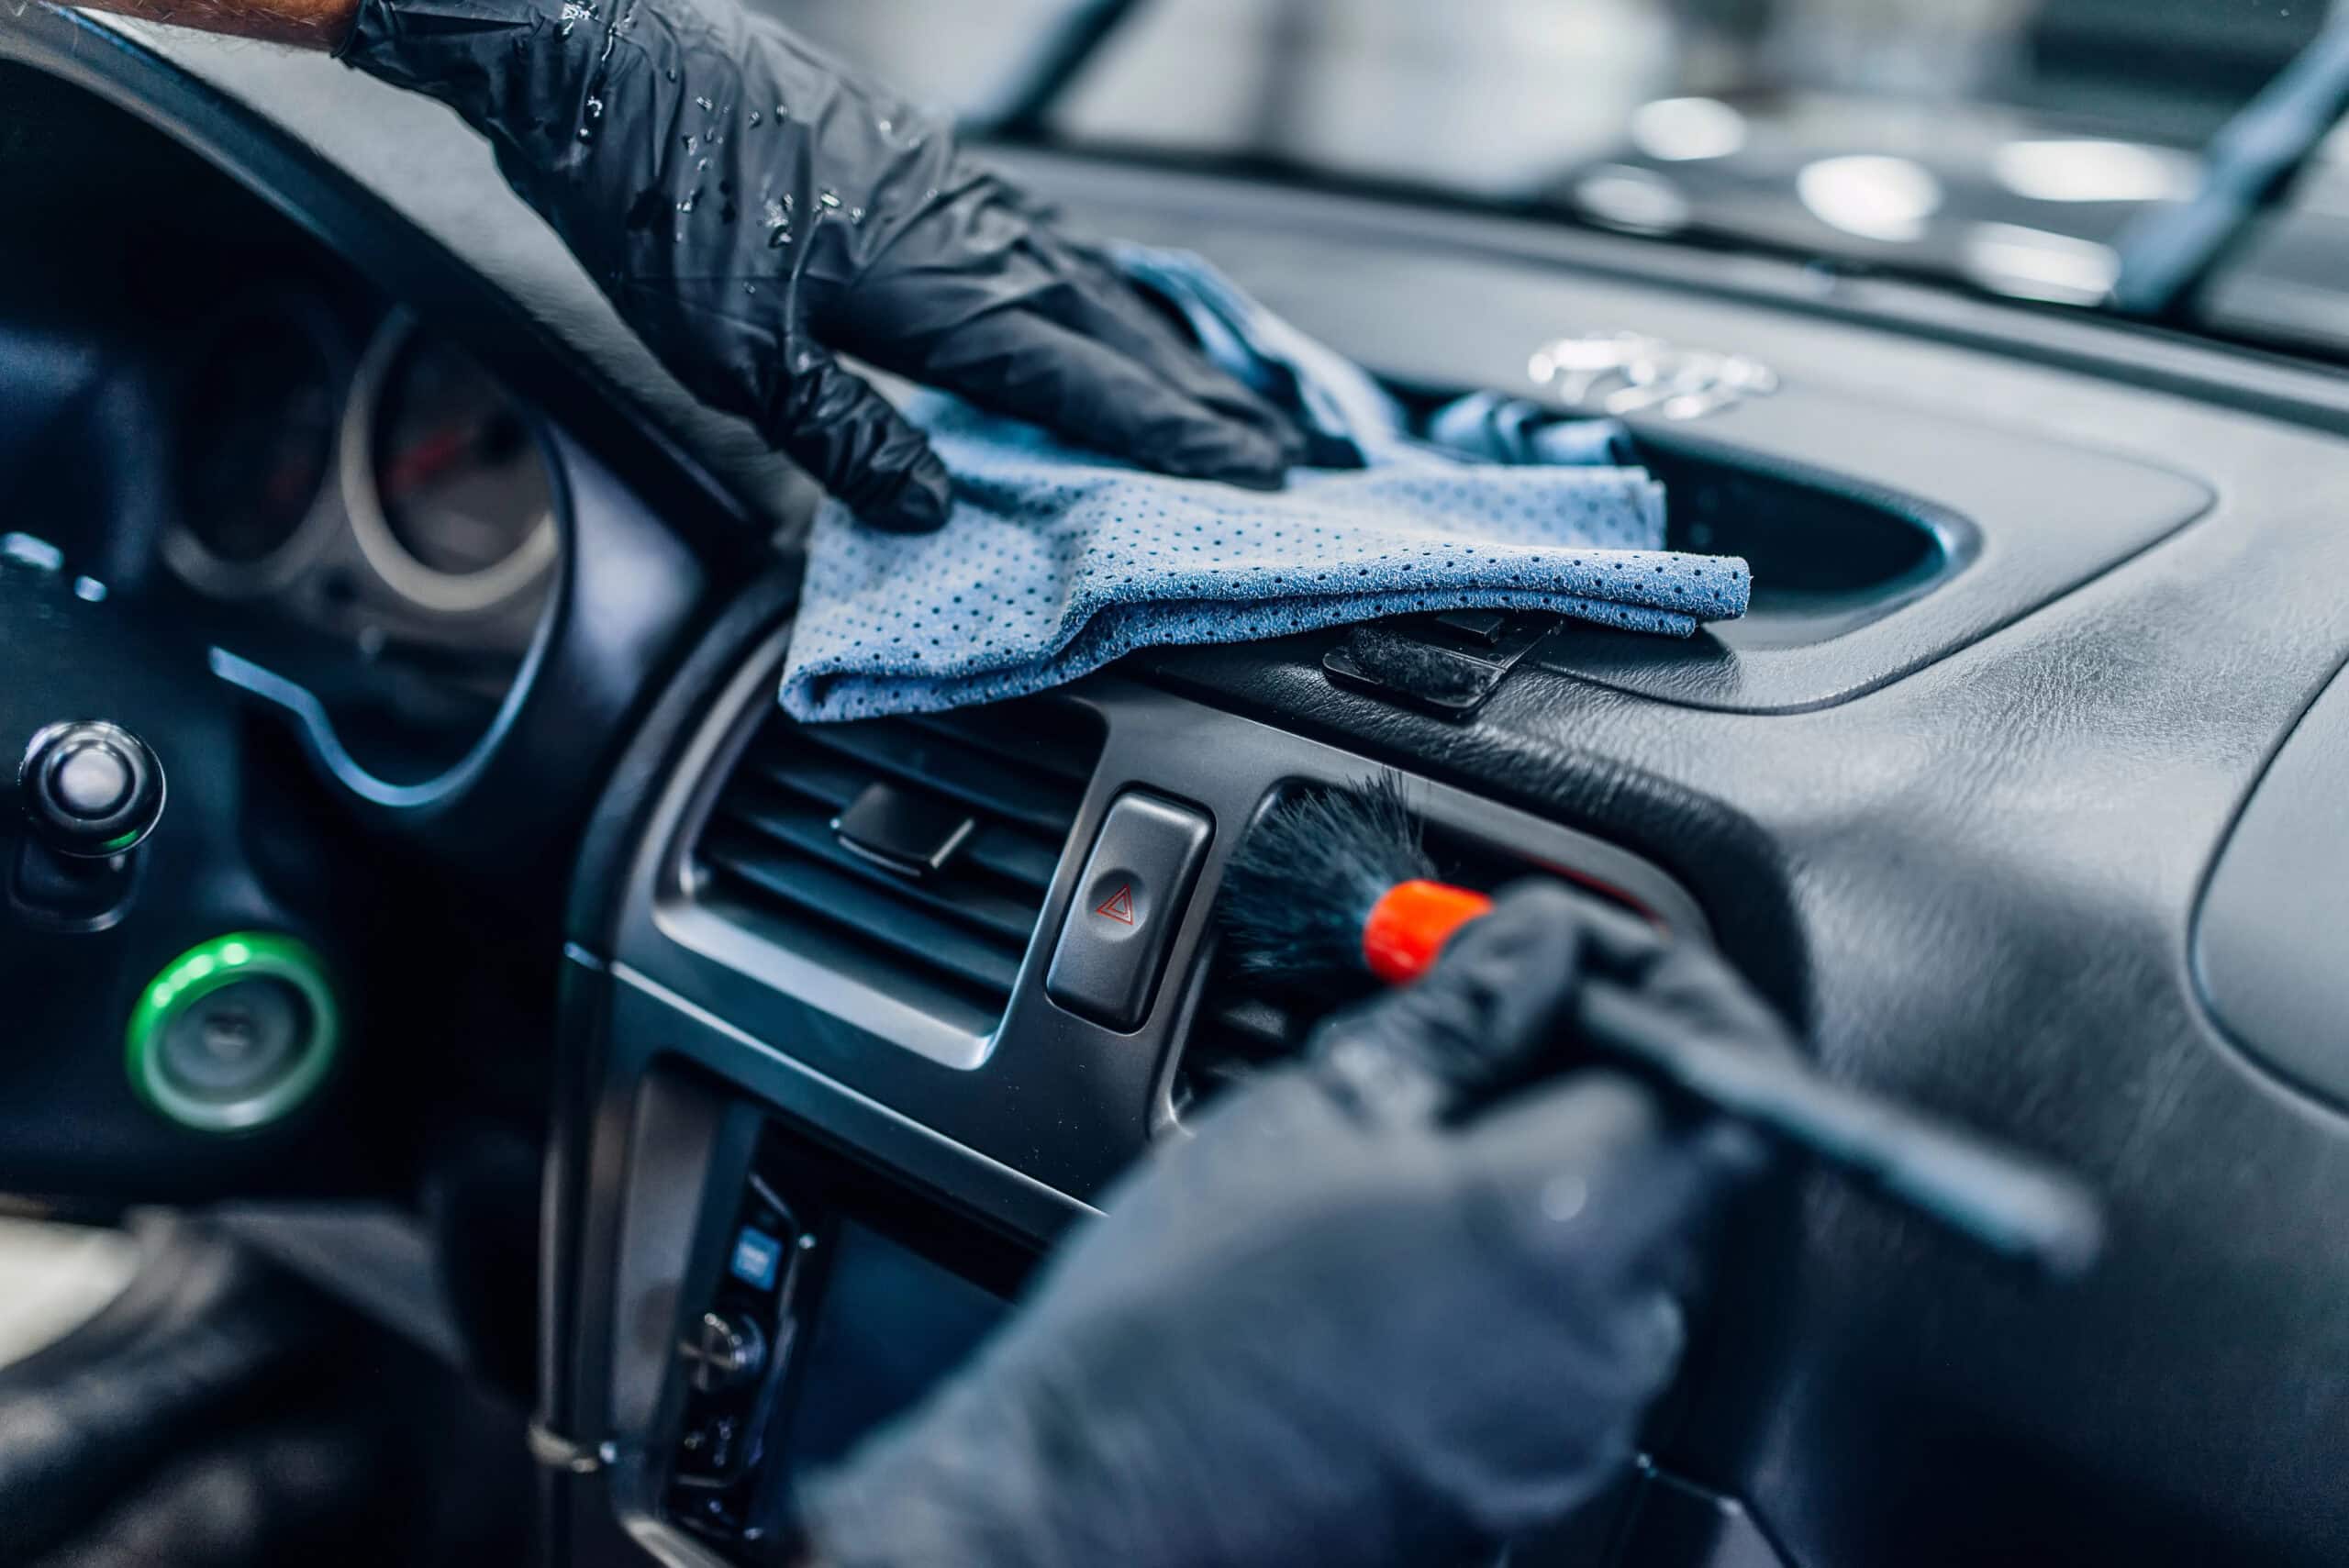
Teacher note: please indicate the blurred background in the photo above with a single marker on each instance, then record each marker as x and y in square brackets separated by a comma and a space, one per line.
[2003, 144]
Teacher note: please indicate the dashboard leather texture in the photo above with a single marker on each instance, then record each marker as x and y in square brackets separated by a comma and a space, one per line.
[2035, 518]
[1990, 866]
[2267, 941]
[2022, 516]
[1975, 885]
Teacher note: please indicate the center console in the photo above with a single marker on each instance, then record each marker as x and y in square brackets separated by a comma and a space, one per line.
[829, 1302]
[883, 1007]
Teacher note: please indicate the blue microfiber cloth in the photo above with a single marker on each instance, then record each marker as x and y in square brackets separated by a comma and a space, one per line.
[1055, 560]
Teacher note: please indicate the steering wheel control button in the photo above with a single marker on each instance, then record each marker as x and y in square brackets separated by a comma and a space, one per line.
[235, 1033]
[89, 789]
[723, 1350]
[1129, 900]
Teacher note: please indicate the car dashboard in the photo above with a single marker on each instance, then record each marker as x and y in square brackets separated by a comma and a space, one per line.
[2041, 609]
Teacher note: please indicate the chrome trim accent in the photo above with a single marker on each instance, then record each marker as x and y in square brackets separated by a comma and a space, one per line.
[442, 592]
[1628, 372]
[551, 1451]
[629, 976]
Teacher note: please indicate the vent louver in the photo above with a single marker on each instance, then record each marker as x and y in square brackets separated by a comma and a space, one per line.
[946, 921]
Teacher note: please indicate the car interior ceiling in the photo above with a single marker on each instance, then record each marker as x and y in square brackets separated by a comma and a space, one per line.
[2013, 791]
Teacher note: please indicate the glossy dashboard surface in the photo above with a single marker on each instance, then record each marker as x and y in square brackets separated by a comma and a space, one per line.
[1971, 876]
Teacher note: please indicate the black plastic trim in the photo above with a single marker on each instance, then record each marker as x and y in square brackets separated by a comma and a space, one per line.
[624, 590]
[1066, 1101]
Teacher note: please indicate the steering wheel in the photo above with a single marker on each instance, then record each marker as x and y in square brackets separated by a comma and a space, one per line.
[219, 945]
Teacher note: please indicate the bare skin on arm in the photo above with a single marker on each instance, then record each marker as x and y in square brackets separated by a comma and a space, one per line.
[310, 24]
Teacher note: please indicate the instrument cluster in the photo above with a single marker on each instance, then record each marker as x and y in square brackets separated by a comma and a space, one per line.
[368, 516]
[400, 474]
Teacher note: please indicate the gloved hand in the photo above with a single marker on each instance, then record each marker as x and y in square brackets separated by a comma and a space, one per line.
[752, 209]
[1369, 1314]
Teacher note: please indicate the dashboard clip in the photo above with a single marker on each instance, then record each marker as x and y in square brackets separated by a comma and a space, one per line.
[1444, 664]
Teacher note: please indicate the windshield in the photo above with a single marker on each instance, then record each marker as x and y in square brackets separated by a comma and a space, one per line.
[2006, 144]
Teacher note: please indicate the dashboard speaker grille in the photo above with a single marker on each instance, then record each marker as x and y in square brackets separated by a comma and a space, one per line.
[947, 924]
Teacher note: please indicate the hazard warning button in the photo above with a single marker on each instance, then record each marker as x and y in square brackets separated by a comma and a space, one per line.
[1128, 902]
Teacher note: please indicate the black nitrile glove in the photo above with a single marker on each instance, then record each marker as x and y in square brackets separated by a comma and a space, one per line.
[752, 209]
[1370, 1315]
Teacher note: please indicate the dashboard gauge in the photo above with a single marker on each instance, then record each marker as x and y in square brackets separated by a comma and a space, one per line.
[254, 445]
[448, 493]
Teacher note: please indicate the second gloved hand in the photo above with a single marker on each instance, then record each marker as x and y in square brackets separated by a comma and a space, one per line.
[1369, 1314]
[752, 210]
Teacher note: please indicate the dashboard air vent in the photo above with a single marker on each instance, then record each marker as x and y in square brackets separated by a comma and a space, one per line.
[917, 851]
[1242, 1028]
[1246, 1023]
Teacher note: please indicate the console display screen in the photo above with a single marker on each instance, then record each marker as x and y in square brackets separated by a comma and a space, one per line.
[891, 1326]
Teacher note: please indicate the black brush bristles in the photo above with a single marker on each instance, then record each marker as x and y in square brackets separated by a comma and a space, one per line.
[1297, 894]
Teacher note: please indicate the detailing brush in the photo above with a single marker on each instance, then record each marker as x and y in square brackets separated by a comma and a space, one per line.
[1335, 885]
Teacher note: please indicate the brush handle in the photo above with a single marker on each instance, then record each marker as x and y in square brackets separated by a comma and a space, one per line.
[2006, 1201]
[1410, 923]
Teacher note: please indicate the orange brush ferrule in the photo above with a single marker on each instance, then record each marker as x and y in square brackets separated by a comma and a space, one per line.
[1410, 923]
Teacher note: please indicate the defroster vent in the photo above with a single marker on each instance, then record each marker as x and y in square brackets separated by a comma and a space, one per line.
[919, 850]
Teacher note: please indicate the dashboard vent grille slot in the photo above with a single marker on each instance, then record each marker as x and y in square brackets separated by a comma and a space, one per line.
[1245, 1022]
[770, 857]
[1240, 1031]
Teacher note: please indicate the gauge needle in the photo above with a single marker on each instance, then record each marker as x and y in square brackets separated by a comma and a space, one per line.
[421, 462]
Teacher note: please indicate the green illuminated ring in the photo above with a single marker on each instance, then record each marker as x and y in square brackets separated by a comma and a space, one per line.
[196, 973]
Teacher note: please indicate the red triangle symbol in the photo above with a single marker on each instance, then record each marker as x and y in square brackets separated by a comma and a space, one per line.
[1118, 905]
